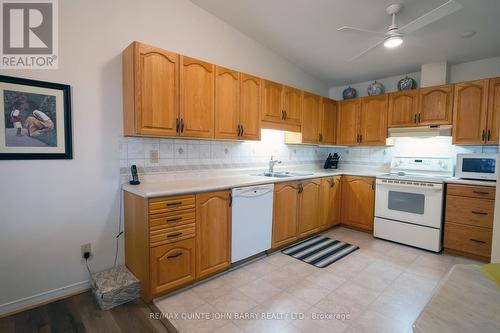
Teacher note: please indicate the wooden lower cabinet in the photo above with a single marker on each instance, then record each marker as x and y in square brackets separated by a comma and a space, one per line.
[172, 265]
[469, 214]
[358, 202]
[308, 207]
[213, 234]
[286, 200]
[330, 195]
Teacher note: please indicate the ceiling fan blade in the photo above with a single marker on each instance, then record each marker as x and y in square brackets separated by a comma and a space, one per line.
[359, 55]
[347, 28]
[437, 13]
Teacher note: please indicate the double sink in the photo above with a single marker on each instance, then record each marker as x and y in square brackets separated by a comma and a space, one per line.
[284, 174]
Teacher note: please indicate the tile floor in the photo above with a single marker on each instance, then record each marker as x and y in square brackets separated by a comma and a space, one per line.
[381, 287]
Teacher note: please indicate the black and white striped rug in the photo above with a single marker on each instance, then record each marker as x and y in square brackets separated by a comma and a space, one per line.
[320, 251]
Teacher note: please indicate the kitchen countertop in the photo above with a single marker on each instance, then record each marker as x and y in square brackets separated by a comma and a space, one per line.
[208, 183]
[455, 180]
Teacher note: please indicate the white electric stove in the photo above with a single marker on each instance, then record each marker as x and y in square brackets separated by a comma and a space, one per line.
[409, 201]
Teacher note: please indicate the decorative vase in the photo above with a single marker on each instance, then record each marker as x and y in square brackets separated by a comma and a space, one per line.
[407, 83]
[349, 93]
[376, 88]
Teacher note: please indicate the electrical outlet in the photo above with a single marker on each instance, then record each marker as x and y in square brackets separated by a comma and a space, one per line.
[86, 248]
[153, 156]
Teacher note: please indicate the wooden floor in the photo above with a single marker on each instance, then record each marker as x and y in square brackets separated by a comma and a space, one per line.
[81, 313]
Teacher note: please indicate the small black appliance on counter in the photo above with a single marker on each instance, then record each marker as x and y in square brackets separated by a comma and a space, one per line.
[332, 162]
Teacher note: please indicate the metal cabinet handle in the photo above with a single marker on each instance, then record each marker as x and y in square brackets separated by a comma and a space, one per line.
[177, 125]
[483, 135]
[479, 213]
[242, 130]
[320, 137]
[230, 199]
[285, 115]
[477, 241]
[175, 255]
[489, 135]
[238, 130]
[173, 219]
[480, 192]
[282, 114]
[360, 138]
[301, 188]
[418, 120]
[182, 125]
[415, 118]
[174, 235]
[175, 203]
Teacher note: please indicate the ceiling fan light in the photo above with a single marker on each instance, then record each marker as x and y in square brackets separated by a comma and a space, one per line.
[393, 41]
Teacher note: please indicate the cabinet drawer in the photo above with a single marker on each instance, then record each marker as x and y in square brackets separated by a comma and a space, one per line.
[172, 265]
[471, 191]
[171, 204]
[470, 211]
[172, 219]
[469, 239]
[170, 235]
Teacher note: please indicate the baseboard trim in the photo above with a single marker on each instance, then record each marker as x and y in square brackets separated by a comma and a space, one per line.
[30, 302]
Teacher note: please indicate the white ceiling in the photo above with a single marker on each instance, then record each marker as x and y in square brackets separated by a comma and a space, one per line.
[305, 32]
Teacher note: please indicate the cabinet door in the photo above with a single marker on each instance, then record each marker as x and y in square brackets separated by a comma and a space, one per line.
[435, 105]
[157, 99]
[311, 118]
[285, 213]
[250, 108]
[271, 102]
[469, 112]
[172, 265]
[308, 208]
[292, 105]
[213, 234]
[330, 201]
[197, 98]
[227, 103]
[328, 121]
[348, 122]
[403, 108]
[493, 112]
[358, 199]
[373, 120]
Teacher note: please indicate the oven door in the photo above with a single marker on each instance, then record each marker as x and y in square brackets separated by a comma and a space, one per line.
[417, 204]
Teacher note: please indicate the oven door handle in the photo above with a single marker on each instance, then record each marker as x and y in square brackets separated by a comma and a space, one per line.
[435, 187]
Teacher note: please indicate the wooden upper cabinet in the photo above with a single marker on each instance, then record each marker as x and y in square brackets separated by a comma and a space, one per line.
[470, 103]
[227, 103]
[347, 122]
[285, 202]
[150, 91]
[330, 201]
[328, 121]
[213, 234]
[358, 202]
[403, 108]
[292, 105]
[196, 98]
[435, 105]
[311, 118]
[271, 101]
[250, 106]
[308, 208]
[493, 112]
[373, 120]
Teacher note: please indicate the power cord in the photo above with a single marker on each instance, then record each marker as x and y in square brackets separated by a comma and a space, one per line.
[120, 230]
[86, 256]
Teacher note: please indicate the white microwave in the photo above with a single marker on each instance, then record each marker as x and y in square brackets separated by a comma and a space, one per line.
[477, 166]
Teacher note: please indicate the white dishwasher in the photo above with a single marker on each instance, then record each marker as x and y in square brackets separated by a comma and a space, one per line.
[252, 220]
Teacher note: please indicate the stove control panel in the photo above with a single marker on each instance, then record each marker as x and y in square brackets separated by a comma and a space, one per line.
[425, 165]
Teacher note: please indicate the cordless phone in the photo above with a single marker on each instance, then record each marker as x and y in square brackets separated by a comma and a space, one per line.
[135, 177]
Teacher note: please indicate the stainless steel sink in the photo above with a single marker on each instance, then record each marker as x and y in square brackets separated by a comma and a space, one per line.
[283, 174]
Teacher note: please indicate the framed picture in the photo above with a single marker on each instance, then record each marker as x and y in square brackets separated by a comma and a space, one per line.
[35, 120]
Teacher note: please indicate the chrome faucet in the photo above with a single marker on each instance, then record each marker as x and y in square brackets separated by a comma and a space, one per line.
[272, 163]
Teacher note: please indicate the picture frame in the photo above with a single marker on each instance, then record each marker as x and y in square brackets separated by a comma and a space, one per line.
[35, 120]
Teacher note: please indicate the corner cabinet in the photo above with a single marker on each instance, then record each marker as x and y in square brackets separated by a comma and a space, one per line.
[281, 106]
[213, 234]
[358, 202]
[330, 195]
[196, 98]
[150, 91]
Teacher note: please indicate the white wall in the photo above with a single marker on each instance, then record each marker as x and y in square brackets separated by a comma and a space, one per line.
[473, 70]
[49, 208]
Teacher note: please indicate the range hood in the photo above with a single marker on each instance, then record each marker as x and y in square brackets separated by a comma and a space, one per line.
[420, 131]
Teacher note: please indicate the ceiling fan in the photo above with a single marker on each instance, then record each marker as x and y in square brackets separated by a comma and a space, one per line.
[393, 37]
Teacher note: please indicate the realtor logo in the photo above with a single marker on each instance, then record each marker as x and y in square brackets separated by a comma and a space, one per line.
[29, 34]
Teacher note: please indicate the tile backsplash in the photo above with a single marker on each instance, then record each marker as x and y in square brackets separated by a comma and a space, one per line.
[162, 155]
